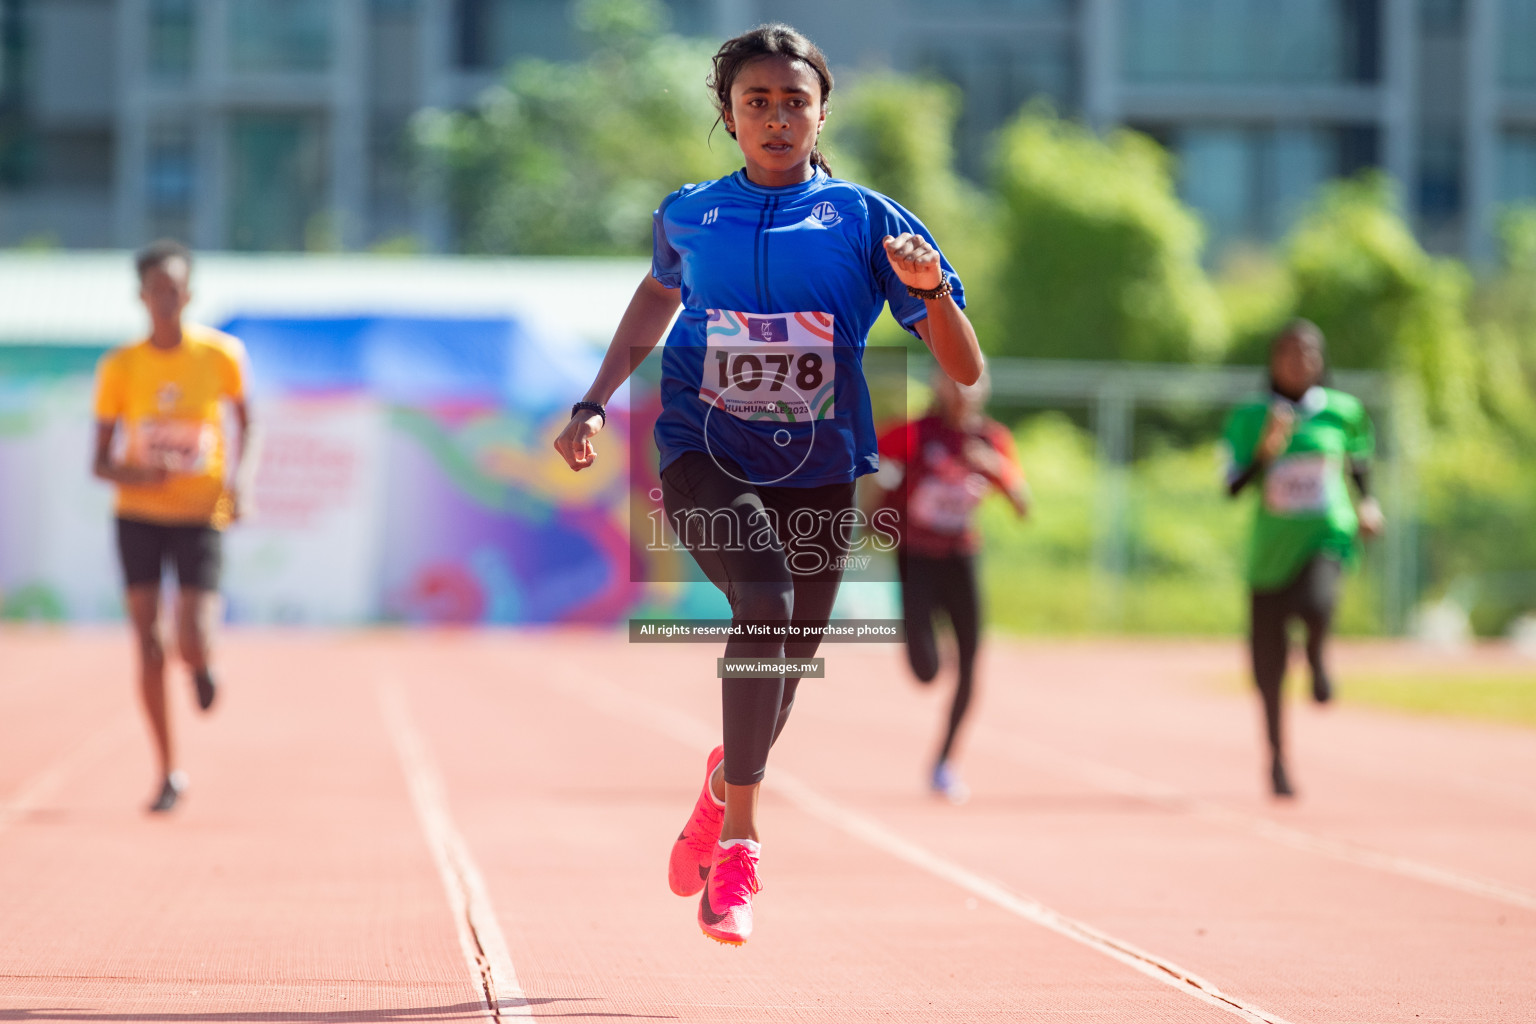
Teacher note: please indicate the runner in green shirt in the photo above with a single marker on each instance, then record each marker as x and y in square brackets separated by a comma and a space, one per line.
[1297, 445]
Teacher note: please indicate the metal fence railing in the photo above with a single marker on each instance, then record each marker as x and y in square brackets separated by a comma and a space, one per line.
[1113, 392]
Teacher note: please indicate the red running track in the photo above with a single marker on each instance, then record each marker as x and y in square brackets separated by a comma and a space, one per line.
[422, 826]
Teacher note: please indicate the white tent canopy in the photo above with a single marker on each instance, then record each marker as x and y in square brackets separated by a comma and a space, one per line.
[92, 298]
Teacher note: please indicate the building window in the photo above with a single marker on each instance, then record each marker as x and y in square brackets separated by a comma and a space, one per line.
[996, 76]
[1251, 183]
[1252, 42]
[1442, 16]
[277, 182]
[693, 18]
[1028, 8]
[473, 22]
[1517, 167]
[493, 33]
[280, 35]
[169, 180]
[75, 158]
[390, 178]
[18, 149]
[1517, 43]
[1440, 169]
[13, 51]
[171, 33]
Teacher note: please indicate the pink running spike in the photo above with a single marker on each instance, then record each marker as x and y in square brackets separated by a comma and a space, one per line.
[694, 849]
[725, 908]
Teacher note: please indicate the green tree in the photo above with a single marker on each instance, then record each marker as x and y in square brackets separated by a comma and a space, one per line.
[1259, 296]
[571, 158]
[895, 134]
[1382, 301]
[1504, 314]
[1097, 258]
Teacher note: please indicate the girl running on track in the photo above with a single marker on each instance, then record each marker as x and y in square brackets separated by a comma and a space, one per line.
[1297, 445]
[780, 270]
[939, 468]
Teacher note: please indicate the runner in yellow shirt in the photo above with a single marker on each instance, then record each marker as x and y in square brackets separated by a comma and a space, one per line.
[160, 439]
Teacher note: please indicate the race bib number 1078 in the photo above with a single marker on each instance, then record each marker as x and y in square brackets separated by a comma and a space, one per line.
[774, 367]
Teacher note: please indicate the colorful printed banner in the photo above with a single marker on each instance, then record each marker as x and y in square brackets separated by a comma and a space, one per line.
[405, 475]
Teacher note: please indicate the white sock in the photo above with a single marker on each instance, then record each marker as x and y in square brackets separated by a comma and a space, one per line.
[709, 785]
[752, 845]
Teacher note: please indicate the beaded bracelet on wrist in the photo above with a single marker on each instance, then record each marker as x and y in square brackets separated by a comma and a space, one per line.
[590, 407]
[930, 294]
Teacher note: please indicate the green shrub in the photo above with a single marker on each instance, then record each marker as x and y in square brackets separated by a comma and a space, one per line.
[1187, 543]
[571, 158]
[1099, 259]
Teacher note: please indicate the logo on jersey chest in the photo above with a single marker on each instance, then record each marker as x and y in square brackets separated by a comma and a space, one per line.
[166, 396]
[711, 217]
[768, 328]
[826, 214]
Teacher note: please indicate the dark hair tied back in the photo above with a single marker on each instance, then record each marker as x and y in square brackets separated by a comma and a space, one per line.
[767, 41]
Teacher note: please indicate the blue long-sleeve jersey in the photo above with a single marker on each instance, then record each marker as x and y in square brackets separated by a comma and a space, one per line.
[780, 287]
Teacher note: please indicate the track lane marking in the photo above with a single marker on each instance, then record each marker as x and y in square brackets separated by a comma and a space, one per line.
[692, 733]
[480, 937]
[1128, 783]
[42, 787]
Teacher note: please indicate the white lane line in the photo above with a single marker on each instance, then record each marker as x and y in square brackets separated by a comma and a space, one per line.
[694, 734]
[1129, 783]
[42, 787]
[480, 937]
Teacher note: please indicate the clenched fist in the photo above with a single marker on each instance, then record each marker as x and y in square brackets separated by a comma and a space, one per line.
[915, 261]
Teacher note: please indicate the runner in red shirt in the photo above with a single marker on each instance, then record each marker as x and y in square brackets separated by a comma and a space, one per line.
[935, 471]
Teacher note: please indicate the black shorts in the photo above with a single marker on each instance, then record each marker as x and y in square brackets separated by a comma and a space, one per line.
[198, 552]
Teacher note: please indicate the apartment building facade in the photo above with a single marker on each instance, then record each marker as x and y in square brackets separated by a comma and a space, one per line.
[281, 125]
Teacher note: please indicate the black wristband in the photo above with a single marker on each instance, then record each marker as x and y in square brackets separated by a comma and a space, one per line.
[1360, 470]
[590, 407]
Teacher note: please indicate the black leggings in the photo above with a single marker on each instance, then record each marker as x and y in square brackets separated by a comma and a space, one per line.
[776, 553]
[928, 585]
[1311, 597]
